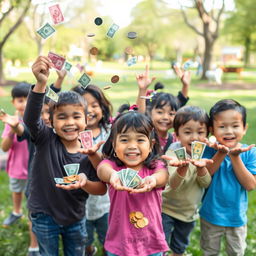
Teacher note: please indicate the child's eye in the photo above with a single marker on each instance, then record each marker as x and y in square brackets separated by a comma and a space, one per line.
[123, 140]
[141, 140]
[172, 114]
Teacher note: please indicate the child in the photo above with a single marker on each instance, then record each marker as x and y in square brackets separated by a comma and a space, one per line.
[131, 145]
[187, 181]
[161, 108]
[223, 212]
[99, 111]
[17, 163]
[55, 211]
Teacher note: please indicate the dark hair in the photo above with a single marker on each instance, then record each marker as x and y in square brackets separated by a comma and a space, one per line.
[68, 98]
[21, 90]
[227, 104]
[104, 103]
[126, 107]
[159, 100]
[187, 113]
[158, 86]
[135, 121]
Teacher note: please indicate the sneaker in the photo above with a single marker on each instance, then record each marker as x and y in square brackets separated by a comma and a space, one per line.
[92, 253]
[37, 253]
[11, 219]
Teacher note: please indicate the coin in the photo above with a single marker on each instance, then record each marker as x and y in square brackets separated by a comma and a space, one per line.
[98, 21]
[90, 34]
[94, 51]
[128, 50]
[139, 215]
[146, 220]
[132, 35]
[212, 139]
[107, 87]
[132, 214]
[114, 79]
[136, 226]
[141, 223]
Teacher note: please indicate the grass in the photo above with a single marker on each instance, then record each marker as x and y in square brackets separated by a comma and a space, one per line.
[14, 240]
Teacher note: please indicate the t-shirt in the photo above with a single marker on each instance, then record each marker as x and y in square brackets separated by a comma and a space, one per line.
[182, 203]
[98, 205]
[225, 202]
[17, 162]
[66, 207]
[123, 238]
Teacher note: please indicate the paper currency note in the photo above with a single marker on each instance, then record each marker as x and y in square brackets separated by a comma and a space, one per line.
[180, 153]
[131, 61]
[71, 169]
[112, 30]
[197, 149]
[86, 138]
[52, 95]
[46, 31]
[56, 14]
[57, 60]
[84, 80]
[68, 66]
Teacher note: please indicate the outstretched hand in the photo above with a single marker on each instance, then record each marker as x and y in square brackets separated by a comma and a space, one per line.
[148, 183]
[144, 80]
[184, 75]
[219, 147]
[82, 179]
[174, 161]
[13, 121]
[238, 150]
[201, 162]
[92, 150]
[116, 182]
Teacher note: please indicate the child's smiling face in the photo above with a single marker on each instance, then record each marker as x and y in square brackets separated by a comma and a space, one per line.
[228, 128]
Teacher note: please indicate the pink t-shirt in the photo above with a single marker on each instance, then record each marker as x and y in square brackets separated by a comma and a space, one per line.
[163, 141]
[17, 162]
[123, 238]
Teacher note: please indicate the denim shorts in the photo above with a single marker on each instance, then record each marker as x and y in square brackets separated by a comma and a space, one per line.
[17, 185]
[47, 232]
[101, 226]
[177, 233]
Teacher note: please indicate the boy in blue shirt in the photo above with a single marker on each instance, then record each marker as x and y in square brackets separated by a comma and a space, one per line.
[223, 212]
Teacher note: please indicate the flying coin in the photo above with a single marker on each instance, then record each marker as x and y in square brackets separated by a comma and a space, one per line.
[132, 35]
[98, 21]
[128, 50]
[94, 51]
[114, 79]
[107, 87]
[91, 35]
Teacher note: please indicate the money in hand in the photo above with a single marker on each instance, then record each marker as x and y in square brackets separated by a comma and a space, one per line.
[197, 150]
[86, 139]
[46, 31]
[180, 153]
[84, 80]
[56, 14]
[57, 60]
[129, 178]
[52, 95]
[112, 30]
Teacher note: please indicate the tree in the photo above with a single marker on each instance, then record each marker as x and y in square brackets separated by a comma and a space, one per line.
[19, 8]
[209, 17]
[241, 25]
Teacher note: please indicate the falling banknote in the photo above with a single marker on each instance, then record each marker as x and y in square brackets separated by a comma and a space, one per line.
[112, 30]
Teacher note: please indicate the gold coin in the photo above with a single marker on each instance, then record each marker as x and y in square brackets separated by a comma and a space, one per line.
[132, 214]
[141, 223]
[139, 215]
[94, 51]
[136, 226]
[146, 220]
[133, 220]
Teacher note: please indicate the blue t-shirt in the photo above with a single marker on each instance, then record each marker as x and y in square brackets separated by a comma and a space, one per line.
[225, 202]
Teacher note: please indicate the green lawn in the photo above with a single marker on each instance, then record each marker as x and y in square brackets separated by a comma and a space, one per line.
[14, 241]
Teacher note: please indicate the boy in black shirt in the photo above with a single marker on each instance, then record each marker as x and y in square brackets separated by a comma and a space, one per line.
[55, 211]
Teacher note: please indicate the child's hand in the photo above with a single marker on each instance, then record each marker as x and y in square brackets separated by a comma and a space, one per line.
[184, 75]
[144, 80]
[201, 163]
[116, 182]
[61, 73]
[41, 68]
[219, 147]
[147, 185]
[92, 150]
[174, 161]
[238, 150]
[79, 184]
[13, 121]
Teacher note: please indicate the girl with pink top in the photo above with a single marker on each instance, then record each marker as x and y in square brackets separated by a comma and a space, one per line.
[131, 144]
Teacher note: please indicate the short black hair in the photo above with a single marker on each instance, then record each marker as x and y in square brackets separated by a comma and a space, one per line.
[161, 99]
[187, 113]
[135, 121]
[68, 98]
[104, 103]
[227, 104]
[21, 90]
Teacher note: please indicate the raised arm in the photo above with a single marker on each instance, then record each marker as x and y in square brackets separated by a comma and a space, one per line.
[143, 81]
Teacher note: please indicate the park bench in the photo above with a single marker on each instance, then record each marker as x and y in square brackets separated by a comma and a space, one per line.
[237, 70]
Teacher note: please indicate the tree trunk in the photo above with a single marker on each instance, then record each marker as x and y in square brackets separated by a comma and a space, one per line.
[247, 45]
[207, 57]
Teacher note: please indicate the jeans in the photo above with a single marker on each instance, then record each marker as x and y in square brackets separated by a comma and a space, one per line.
[154, 254]
[101, 226]
[47, 232]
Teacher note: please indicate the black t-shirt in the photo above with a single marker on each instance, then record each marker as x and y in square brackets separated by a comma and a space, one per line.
[66, 207]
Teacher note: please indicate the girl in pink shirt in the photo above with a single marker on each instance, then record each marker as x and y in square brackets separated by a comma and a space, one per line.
[135, 226]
